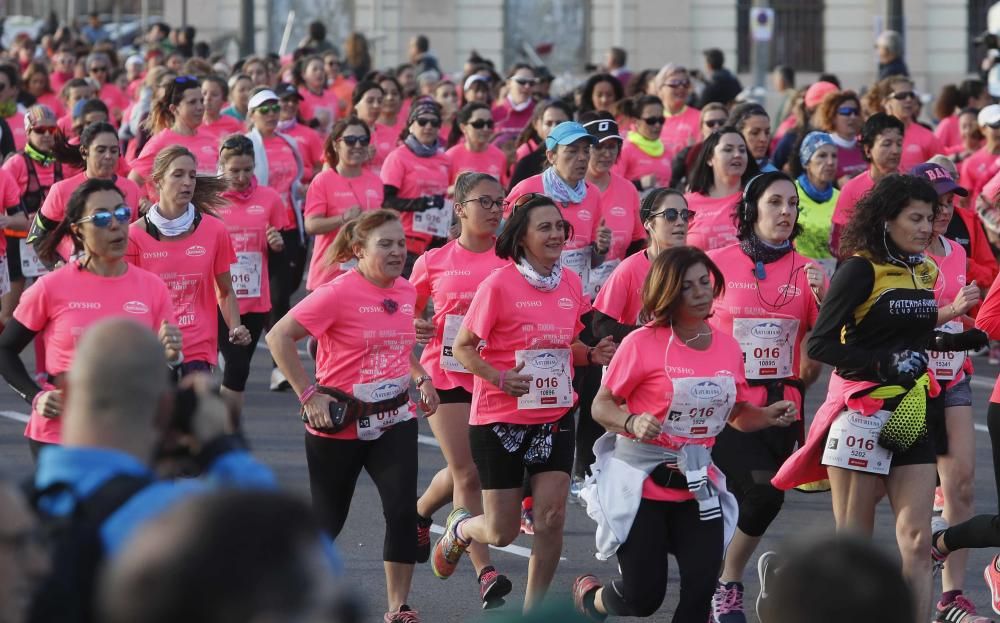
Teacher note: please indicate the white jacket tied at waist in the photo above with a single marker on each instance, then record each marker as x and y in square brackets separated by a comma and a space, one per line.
[613, 491]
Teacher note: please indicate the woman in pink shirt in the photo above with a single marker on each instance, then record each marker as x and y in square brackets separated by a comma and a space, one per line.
[63, 303]
[254, 216]
[367, 104]
[99, 71]
[882, 144]
[474, 152]
[357, 411]
[530, 154]
[338, 195]
[415, 176]
[36, 84]
[215, 93]
[839, 115]
[319, 103]
[176, 120]
[644, 160]
[672, 387]
[721, 170]
[951, 101]
[449, 277]
[528, 313]
[181, 240]
[514, 111]
[681, 127]
[446, 96]
[391, 118]
[770, 304]
[895, 95]
[308, 141]
[98, 155]
[982, 165]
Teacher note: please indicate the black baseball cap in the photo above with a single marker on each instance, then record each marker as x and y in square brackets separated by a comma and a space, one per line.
[284, 90]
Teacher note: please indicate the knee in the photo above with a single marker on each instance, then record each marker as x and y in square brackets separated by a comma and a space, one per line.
[959, 492]
[914, 540]
[465, 478]
[502, 535]
[760, 506]
[550, 518]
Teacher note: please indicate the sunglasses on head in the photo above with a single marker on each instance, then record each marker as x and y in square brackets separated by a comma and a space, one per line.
[654, 120]
[352, 141]
[428, 121]
[479, 124]
[48, 129]
[671, 214]
[902, 95]
[487, 203]
[102, 219]
[526, 82]
[268, 108]
[848, 111]
[675, 84]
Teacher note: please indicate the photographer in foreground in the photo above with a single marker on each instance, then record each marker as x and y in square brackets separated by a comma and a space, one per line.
[120, 412]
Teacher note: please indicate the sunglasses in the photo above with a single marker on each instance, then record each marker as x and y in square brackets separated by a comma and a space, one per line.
[654, 120]
[267, 109]
[995, 125]
[715, 123]
[186, 80]
[902, 95]
[848, 111]
[676, 84]
[354, 141]
[426, 121]
[524, 199]
[487, 203]
[479, 124]
[526, 82]
[671, 214]
[101, 69]
[102, 219]
[49, 129]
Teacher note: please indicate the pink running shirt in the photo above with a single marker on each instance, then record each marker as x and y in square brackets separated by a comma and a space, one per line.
[634, 164]
[449, 276]
[849, 196]
[491, 160]
[358, 342]
[63, 303]
[415, 177]
[620, 211]
[919, 146]
[713, 225]
[189, 267]
[511, 315]
[54, 206]
[680, 131]
[621, 296]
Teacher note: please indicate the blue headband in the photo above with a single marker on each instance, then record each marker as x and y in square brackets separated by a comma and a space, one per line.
[812, 142]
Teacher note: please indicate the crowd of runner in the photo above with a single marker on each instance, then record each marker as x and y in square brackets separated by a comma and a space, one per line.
[620, 294]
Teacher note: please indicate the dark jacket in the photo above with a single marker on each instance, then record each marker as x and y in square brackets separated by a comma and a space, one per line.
[722, 87]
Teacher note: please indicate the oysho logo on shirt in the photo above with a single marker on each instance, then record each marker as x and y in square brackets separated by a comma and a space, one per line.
[136, 307]
[456, 272]
[706, 390]
[527, 304]
[617, 211]
[740, 285]
[195, 251]
[154, 255]
[84, 305]
[565, 303]
[370, 309]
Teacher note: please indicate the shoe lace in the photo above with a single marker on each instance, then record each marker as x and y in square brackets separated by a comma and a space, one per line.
[731, 600]
[488, 578]
[423, 535]
[406, 616]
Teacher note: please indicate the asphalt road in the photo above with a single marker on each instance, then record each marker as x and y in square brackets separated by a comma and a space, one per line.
[276, 436]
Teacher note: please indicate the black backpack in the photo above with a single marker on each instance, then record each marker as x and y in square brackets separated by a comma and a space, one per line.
[67, 594]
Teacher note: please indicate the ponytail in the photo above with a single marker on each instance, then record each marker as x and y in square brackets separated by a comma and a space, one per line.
[356, 232]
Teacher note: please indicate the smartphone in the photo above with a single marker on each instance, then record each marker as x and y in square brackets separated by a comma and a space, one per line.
[338, 413]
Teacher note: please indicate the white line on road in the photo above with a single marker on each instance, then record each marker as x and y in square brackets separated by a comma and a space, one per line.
[14, 415]
[517, 550]
[427, 440]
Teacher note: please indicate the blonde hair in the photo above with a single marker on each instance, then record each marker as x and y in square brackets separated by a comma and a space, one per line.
[356, 232]
[208, 189]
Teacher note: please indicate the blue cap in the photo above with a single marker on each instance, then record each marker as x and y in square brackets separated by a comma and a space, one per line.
[566, 133]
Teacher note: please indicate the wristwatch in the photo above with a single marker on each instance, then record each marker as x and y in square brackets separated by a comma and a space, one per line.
[422, 380]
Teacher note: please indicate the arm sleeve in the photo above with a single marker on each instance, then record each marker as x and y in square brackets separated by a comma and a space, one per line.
[604, 325]
[394, 201]
[851, 285]
[13, 340]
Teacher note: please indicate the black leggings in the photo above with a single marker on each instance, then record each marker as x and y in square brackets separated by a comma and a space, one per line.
[237, 368]
[993, 423]
[391, 461]
[980, 531]
[285, 270]
[660, 529]
[587, 380]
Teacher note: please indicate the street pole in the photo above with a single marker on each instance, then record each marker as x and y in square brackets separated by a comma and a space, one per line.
[761, 51]
[246, 28]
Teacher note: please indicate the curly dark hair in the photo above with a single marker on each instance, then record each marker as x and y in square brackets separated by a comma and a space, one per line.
[703, 177]
[865, 232]
[587, 100]
[873, 127]
[747, 211]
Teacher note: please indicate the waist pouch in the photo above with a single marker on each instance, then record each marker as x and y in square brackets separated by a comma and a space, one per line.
[357, 409]
[669, 476]
[908, 423]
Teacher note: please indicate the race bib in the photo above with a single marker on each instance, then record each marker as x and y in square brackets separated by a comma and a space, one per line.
[4, 275]
[768, 346]
[946, 365]
[452, 324]
[435, 221]
[246, 274]
[551, 380]
[372, 427]
[852, 443]
[599, 275]
[700, 406]
[31, 266]
[578, 260]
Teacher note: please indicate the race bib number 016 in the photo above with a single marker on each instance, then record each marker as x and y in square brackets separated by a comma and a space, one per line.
[768, 346]
[373, 426]
[551, 383]
[435, 221]
[246, 274]
[852, 443]
[947, 365]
